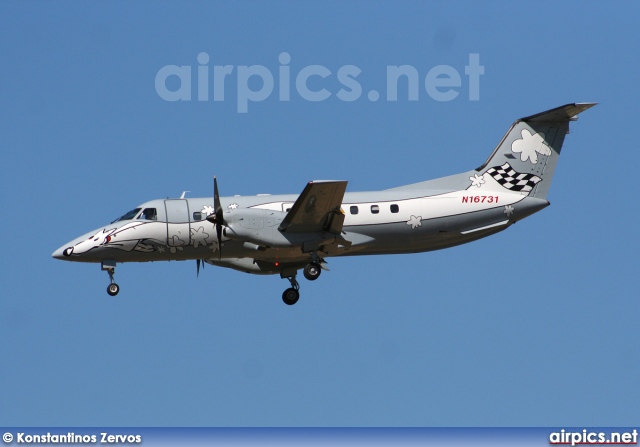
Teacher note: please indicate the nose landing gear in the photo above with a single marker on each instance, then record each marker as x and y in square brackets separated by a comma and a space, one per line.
[110, 267]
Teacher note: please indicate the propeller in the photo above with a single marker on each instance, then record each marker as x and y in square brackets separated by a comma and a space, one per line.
[216, 218]
[198, 262]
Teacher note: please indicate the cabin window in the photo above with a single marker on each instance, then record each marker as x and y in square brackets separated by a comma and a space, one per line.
[353, 209]
[375, 209]
[394, 208]
[148, 214]
[197, 215]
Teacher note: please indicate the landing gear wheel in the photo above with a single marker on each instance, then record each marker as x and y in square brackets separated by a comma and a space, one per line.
[290, 296]
[312, 271]
[113, 289]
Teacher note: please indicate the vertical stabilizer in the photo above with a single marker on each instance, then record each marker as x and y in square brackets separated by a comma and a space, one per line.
[526, 158]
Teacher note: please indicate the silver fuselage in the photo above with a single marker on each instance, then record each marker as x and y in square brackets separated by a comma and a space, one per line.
[381, 222]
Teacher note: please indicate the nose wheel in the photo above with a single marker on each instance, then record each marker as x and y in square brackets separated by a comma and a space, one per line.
[113, 289]
[110, 267]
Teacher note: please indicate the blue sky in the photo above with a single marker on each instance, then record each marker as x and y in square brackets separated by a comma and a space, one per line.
[536, 326]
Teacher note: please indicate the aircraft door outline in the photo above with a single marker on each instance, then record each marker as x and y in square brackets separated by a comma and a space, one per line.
[178, 227]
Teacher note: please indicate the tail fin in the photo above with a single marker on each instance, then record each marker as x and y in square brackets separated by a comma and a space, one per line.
[526, 158]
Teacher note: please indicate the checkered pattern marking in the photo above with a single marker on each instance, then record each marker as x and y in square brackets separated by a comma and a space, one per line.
[512, 180]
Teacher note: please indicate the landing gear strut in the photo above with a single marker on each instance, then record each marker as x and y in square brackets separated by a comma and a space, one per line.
[292, 294]
[110, 267]
[311, 271]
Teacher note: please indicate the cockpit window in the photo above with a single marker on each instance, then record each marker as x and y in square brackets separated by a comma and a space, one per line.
[148, 214]
[130, 215]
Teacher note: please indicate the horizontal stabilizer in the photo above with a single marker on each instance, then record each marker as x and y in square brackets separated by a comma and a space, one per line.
[562, 113]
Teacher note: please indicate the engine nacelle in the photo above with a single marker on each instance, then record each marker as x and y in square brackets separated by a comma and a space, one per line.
[256, 226]
[260, 227]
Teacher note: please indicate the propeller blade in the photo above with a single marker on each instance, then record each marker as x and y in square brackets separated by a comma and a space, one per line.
[219, 234]
[216, 197]
[219, 218]
[197, 267]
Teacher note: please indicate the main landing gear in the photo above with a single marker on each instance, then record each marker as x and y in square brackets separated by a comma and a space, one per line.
[292, 294]
[110, 267]
[311, 271]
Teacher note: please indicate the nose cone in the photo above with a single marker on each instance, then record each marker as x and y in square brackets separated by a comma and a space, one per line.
[63, 252]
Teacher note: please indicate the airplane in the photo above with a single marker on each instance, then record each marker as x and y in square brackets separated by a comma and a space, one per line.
[282, 234]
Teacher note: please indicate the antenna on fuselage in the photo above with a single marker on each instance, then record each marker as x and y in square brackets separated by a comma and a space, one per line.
[183, 194]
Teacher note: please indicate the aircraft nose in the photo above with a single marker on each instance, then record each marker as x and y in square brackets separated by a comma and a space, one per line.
[63, 252]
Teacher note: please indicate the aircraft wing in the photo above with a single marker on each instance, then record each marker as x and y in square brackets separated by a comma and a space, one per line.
[317, 209]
